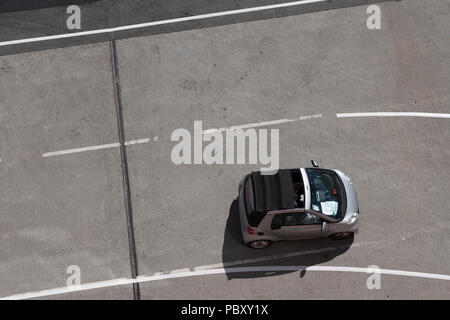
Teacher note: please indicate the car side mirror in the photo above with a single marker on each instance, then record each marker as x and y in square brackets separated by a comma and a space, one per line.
[324, 226]
[314, 164]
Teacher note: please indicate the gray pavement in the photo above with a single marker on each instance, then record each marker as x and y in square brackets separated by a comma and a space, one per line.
[314, 285]
[69, 209]
[302, 65]
[103, 14]
[59, 211]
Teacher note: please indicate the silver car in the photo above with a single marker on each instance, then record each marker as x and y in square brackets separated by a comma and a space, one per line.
[301, 203]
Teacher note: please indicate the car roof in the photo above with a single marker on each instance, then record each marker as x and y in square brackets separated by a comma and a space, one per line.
[273, 192]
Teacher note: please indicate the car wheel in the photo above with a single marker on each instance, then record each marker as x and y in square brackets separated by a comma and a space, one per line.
[341, 235]
[259, 244]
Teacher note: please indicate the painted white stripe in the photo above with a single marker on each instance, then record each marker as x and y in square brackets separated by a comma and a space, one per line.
[394, 114]
[259, 259]
[69, 289]
[122, 281]
[188, 273]
[129, 143]
[161, 22]
[93, 148]
[77, 150]
[261, 124]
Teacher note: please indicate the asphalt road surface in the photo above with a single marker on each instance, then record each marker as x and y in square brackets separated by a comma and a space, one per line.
[106, 14]
[61, 188]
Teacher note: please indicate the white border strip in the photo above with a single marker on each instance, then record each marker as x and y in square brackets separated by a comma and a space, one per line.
[185, 274]
[161, 22]
[394, 114]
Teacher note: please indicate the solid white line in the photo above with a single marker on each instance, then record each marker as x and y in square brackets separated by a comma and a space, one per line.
[93, 148]
[187, 273]
[69, 289]
[382, 271]
[161, 22]
[393, 114]
[184, 274]
[259, 259]
[261, 124]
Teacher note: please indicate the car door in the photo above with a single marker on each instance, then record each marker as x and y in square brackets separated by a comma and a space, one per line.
[296, 224]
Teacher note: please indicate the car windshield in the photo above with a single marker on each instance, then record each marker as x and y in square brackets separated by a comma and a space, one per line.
[325, 192]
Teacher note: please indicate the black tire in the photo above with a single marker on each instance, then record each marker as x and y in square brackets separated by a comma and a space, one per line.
[259, 244]
[341, 235]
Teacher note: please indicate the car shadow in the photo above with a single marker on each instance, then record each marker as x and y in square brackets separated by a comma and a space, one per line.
[240, 261]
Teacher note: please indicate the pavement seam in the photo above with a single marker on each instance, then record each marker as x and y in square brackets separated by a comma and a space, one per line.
[124, 165]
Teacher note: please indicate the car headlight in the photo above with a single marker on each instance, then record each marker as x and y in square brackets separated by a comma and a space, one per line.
[353, 218]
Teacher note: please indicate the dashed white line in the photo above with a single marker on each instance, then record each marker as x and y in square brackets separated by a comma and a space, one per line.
[394, 114]
[161, 22]
[205, 132]
[93, 148]
[77, 150]
[132, 142]
[255, 125]
[261, 124]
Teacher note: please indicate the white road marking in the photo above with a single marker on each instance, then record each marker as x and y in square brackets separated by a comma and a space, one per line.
[188, 273]
[77, 150]
[129, 143]
[255, 125]
[93, 148]
[68, 289]
[269, 258]
[261, 124]
[394, 114]
[255, 260]
[216, 268]
[158, 23]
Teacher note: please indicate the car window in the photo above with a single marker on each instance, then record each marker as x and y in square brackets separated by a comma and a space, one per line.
[249, 197]
[299, 188]
[294, 219]
[326, 194]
